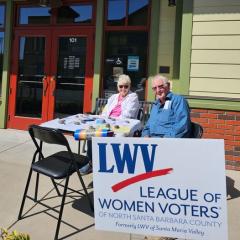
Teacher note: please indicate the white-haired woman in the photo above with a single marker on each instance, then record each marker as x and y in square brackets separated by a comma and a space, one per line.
[123, 104]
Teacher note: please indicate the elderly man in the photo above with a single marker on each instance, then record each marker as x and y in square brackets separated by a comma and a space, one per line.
[170, 116]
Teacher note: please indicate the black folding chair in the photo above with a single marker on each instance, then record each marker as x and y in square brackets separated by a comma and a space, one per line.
[197, 130]
[60, 165]
[143, 114]
[144, 111]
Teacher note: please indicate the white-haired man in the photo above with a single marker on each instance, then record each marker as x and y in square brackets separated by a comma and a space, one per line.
[170, 115]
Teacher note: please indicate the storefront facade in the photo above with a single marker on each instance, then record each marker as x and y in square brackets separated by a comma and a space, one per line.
[57, 50]
[57, 58]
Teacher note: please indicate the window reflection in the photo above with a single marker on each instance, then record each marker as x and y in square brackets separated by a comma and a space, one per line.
[75, 14]
[2, 15]
[29, 82]
[71, 59]
[125, 53]
[1, 58]
[137, 12]
[116, 12]
[34, 15]
[70, 76]
[31, 56]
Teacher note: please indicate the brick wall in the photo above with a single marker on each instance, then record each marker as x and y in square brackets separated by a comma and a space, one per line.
[224, 125]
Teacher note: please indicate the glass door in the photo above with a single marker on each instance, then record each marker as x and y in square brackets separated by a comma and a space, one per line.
[72, 68]
[28, 95]
[51, 75]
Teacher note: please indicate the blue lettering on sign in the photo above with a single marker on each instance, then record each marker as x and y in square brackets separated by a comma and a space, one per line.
[126, 157]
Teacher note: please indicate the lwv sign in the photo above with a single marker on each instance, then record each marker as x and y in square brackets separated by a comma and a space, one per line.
[161, 187]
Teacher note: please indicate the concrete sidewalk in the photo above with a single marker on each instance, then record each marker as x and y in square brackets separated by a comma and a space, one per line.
[16, 151]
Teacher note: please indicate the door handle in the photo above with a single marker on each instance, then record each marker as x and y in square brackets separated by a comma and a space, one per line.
[45, 85]
[53, 83]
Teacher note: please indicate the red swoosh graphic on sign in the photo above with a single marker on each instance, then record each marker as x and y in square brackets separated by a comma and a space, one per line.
[140, 177]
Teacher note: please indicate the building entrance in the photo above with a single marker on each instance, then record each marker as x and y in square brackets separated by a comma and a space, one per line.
[51, 75]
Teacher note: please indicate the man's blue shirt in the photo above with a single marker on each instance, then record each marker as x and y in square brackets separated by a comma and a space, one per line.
[171, 119]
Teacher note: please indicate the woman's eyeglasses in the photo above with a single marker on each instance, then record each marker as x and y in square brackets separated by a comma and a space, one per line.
[123, 86]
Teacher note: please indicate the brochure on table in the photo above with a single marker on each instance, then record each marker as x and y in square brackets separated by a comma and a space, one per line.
[121, 127]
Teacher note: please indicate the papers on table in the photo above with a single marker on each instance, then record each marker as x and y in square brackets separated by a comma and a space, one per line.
[121, 127]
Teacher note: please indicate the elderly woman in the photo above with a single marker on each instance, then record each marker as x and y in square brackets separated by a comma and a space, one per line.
[125, 103]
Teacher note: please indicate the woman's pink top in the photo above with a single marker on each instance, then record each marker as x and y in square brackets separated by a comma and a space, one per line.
[116, 111]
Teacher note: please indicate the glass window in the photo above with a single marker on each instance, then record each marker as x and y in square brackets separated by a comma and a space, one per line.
[116, 12]
[75, 14]
[71, 73]
[34, 15]
[125, 53]
[72, 58]
[2, 16]
[1, 58]
[31, 72]
[138, 12]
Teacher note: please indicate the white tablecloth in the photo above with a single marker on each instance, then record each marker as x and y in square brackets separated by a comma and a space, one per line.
[121, 127]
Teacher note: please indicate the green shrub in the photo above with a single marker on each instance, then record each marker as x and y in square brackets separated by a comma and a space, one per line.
[14, 235]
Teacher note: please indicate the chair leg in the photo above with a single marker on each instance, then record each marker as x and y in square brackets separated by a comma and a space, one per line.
[84, 150]
[85, 191]
[36, 187]
[79, 147]
[25, 194]
[55, 186]
[61, 208]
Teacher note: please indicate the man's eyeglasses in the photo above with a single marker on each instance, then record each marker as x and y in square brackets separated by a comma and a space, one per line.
[158, 87]
[123, 86]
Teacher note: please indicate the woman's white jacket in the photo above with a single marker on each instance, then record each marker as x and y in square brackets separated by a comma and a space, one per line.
[129, 106]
